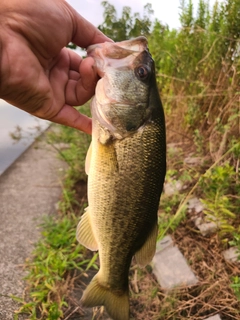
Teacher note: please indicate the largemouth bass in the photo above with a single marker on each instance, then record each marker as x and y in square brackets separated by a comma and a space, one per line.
[126, 166]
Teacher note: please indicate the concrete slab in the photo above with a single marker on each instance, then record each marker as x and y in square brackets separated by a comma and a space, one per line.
[171, 268]
[29, 190]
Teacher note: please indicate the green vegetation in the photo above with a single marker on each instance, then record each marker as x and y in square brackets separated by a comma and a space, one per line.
[129, 25]
[198, 76]
[236, 286]
[48, 271]
[197, 71]
[54, 255]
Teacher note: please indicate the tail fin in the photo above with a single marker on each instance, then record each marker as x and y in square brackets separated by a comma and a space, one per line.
[116, 305]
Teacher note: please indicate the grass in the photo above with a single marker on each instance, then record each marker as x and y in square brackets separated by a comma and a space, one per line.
[54, 257]
[219, 190]
[217, 185]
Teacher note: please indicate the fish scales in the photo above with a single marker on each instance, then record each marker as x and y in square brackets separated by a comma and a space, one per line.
[126, 175]
[129, 194]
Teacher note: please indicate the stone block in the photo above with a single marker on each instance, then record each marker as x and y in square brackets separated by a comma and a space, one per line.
[194, 204]
[207, 228]
[232, 254]
[171, 268]
[216, 317]
[172, 187]
[164, 243]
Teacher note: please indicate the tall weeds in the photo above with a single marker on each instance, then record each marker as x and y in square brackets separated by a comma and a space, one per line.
[198, 74]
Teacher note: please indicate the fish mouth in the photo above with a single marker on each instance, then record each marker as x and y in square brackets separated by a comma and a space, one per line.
[116, 51]
[113, 108]
[120, 49]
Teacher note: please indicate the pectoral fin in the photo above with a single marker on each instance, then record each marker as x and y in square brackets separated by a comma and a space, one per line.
[85, 234]
[147, 251]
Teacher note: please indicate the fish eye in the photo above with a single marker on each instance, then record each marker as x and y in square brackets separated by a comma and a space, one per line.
[142, 72]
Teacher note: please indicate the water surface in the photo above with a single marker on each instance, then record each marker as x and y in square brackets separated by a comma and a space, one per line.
[17, 122]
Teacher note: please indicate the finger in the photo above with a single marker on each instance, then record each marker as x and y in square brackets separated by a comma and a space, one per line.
[73, 75]
[74, 59]
[89, 76]
[85, 33]
[74, 63]
[69, 116]
[79, 92]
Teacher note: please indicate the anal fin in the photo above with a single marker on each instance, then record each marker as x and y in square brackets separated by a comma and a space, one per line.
[144, 255]
[85, 234]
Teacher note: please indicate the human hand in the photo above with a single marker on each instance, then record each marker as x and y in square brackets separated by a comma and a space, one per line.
[37, 73]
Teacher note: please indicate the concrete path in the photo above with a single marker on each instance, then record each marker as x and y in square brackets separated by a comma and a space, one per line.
[29, 189]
